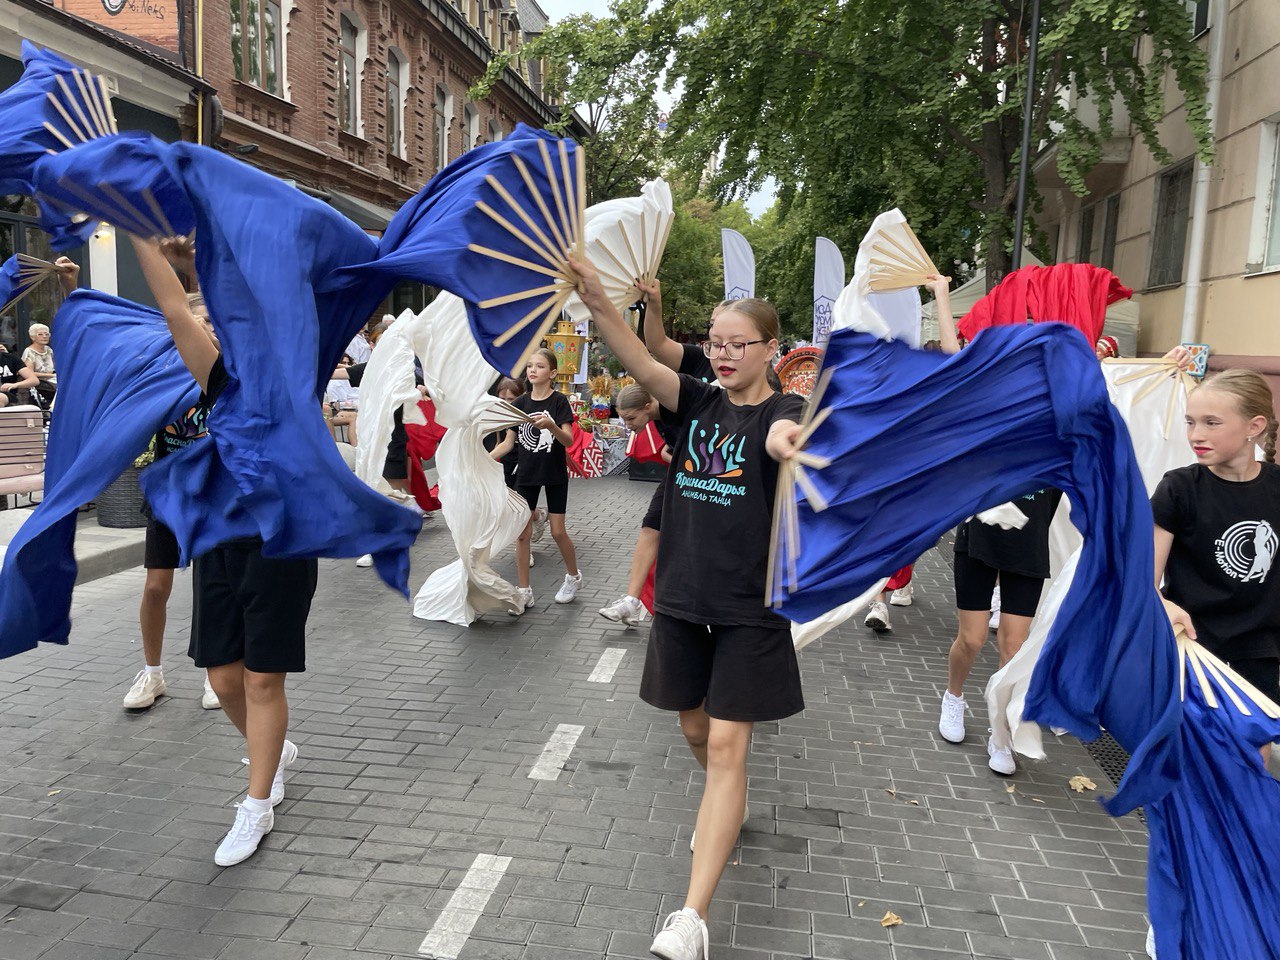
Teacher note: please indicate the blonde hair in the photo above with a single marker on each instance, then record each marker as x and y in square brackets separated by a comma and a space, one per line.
[633, 397]
[1253, 399]
[35, 328]
[762, 314]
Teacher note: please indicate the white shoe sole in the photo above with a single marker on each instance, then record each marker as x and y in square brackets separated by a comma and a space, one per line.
[149, 704]
[901, 603]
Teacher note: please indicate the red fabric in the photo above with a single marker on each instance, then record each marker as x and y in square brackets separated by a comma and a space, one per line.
[584, 456]
[645, 446]
[1074, 293]
[646, 595]
[901, 578]
[423, 441]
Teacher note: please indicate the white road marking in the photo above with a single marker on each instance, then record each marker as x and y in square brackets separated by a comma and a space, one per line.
[607, 664]
[556, 752]
[456, 921]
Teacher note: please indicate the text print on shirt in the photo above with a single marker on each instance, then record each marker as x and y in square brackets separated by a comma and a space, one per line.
[1246, 550]
[535, 440]
[710, 459]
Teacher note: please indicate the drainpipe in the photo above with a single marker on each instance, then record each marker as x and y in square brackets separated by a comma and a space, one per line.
[1200, 186]
[200, 70]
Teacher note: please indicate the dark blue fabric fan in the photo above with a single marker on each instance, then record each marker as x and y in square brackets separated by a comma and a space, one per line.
[901, 445]
[20, 275]
[495, 227]
[107, 414]
[54, 106]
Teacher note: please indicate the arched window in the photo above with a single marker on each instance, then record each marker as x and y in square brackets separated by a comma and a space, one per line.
[444, 117]
[397, 84]
[495, 131]
[349, 44]
[470, 127]
[257, 44]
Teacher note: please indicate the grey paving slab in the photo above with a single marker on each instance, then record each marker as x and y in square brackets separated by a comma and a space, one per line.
[416, 740]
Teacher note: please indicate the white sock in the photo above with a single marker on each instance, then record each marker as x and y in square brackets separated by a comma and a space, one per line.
[150, 669]
[630, 599]
[254, 805]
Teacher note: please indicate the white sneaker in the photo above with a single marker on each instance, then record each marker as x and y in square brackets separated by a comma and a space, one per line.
[365, 561]
[902, 597]
[951, 726]
[539, 524]
[209, 700]
[288, 754]
[1151, 942]
[525, 596]
[746, 815]
[147, 688]
[242, 840]
[533, 560]
[1001, 759]
[683, 937]
[569, 589]
[628, 610]
[878, 618]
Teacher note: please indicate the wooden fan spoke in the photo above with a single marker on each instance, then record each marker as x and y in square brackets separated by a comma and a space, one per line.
[120, 219]
[158, 213]
[91, 102]
[90, 128]
[123, 203]
[1209, 698]
[66, 117]
[582, 199]
[626, 277]
[516, 298]
[545, 324]
[542, 206]
[888, 257]
[571, 205]
[106, 103]
[555, 193]
[516, 232]
[514, 261]
[548, 246]
[816, 500]
[62, 138]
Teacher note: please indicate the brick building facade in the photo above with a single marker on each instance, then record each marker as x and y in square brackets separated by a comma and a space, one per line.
[364, 101]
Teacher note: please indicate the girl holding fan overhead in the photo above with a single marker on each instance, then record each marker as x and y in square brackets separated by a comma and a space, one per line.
[1217, 529]
[716, 653]
[540, 465]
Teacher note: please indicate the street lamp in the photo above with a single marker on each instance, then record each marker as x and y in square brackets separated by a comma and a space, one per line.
[1028, 110]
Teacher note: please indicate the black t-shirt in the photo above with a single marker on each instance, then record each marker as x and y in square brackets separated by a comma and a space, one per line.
[696, 364]
[1224, 547]
[717, 508]
[10, 367]
[192, 425]
[540, 462]
[1024, 551]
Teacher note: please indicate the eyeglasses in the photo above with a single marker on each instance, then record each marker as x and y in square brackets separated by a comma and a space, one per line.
[734, 351]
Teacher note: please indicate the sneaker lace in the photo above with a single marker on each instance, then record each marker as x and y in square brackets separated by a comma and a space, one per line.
[246, 820]
[689, 929]
[954, 709]
[139, 682]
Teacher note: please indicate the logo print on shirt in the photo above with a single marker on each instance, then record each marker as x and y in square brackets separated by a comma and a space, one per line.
[1246, 550]
[535, 440]
[712, 457]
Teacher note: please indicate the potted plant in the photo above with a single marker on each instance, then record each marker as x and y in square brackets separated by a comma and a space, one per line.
[121, 504]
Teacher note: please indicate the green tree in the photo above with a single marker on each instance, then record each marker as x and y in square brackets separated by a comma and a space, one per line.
[857, 105]
[606, 81]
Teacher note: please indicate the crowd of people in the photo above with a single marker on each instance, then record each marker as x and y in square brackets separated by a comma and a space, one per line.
[717, 656]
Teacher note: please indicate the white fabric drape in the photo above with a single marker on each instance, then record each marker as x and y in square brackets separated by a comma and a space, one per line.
[1155, 420]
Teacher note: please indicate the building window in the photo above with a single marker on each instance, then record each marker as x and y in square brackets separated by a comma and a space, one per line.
[349, 75]
[397, 83]
[482, 23]
[20, 233]
[257, 43]
[1099, 224]
[1264, 234]
[470, 127]
[495, 131]
[444, 116]
[1169, 236]
[1199, 11]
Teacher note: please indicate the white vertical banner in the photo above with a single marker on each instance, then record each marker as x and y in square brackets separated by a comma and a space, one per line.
[583, 329]
[739, 265]
[828, 281]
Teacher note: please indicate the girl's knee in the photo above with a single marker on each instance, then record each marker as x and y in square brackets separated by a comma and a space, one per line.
[696, 727]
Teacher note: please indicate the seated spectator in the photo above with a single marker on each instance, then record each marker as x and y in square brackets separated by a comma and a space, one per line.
[16, 379]
[39, 357]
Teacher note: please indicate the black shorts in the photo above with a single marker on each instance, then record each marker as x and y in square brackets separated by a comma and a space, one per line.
[975, 581]
[736, 673]
[653, 516]
[1262, 672]
[509, 473]
[252, 608]
[396, 466]
[557, 496]
[161, 549]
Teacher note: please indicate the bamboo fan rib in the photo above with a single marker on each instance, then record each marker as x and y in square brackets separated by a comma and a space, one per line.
[84, 108]
[784, 544]
[1214, 676]
[1158, 372]
[898, 260]
[626, 239]
[540, 239]
[30, 274]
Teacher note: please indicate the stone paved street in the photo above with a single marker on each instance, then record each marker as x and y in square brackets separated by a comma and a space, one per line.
[417, 741]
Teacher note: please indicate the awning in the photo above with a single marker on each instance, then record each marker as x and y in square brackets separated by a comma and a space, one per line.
[368, 216]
